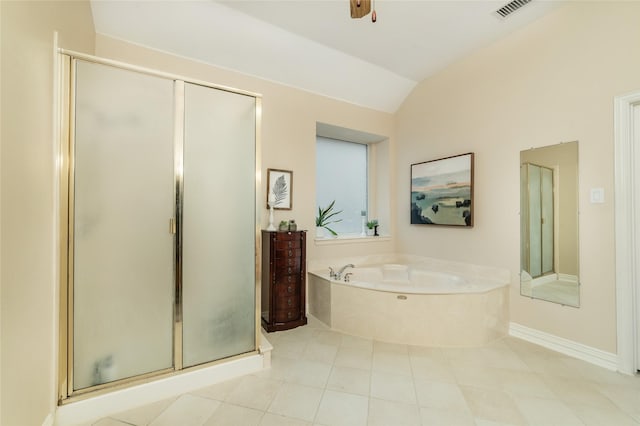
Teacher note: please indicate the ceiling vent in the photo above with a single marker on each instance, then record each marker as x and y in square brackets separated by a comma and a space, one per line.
[511, 7]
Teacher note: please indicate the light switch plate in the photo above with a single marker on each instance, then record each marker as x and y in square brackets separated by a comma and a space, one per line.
[597, 195]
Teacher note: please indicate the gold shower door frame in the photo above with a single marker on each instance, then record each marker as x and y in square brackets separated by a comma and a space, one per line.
[66, 61]
[526, 259]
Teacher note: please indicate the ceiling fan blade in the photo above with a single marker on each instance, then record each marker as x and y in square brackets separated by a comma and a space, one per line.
[362, 10]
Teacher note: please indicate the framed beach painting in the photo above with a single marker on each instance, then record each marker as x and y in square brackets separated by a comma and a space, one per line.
[442, 191]
[279, 188]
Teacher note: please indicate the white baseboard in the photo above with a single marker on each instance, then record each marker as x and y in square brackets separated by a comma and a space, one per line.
[568, 278]
[265, 349]
[586, 353]
[125, 399]
[545, 279]
[48, 421]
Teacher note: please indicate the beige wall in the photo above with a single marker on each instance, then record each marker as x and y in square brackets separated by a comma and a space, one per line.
[552, 81]
[289, 119]
[28, 305]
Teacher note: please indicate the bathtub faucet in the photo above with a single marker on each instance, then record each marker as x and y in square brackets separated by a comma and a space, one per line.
[338, 275]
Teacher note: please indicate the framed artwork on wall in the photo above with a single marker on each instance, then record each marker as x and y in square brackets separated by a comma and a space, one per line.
[280, 189]
[442, 191]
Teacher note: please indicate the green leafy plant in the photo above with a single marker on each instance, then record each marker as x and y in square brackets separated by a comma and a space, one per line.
[372, 223]
[324, 217]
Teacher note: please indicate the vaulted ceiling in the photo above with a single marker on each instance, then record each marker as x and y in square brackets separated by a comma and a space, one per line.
[314, 45]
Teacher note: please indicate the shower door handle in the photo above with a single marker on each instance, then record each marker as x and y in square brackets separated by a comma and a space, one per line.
[172, 226]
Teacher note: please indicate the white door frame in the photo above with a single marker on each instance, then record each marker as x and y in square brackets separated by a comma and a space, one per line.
[627, 208]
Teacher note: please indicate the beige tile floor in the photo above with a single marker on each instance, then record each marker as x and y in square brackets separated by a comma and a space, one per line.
[321, 377]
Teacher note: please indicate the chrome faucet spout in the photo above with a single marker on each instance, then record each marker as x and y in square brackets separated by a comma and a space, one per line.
[350, 265]
[338, 274]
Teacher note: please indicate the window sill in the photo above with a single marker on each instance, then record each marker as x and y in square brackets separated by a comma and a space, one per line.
[350, 239]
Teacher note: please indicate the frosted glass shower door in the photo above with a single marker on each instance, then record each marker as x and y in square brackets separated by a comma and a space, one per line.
[123, 198]
[546, 197]
[218, 229]
[535, 221]
[541, 220]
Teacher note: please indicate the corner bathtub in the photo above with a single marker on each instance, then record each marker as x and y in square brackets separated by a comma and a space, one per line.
[412, 304]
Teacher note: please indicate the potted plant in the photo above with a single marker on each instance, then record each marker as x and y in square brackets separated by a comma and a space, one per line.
[371, 227]
[284, 225]
[324, 219]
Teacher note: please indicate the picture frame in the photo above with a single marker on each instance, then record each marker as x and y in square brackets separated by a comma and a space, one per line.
[280, 185]
[442, 191]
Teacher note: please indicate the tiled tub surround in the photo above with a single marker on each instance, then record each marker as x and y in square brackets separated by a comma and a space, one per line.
[412, 300]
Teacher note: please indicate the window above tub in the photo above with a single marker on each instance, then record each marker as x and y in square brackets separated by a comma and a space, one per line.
[352, 169]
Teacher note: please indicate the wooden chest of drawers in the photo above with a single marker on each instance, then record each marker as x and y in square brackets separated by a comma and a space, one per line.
[283, 280]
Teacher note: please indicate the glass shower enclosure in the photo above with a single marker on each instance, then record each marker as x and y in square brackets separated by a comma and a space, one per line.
[537, 208]
[160, 225]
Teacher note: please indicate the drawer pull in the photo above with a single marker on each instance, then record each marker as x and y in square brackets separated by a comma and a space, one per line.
[289, 278]
[290, 253]
[290, 289]
[289, 302]
[290, 262]
[290, 244]
[289, 315]
[290, 270]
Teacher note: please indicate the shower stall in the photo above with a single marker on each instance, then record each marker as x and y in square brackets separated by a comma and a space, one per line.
[159, 229]
[537, 210]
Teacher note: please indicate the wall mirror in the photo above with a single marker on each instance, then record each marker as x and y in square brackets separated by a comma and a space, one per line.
[549, 224]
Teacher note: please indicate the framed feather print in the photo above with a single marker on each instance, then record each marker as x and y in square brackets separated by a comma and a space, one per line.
[280, 188]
